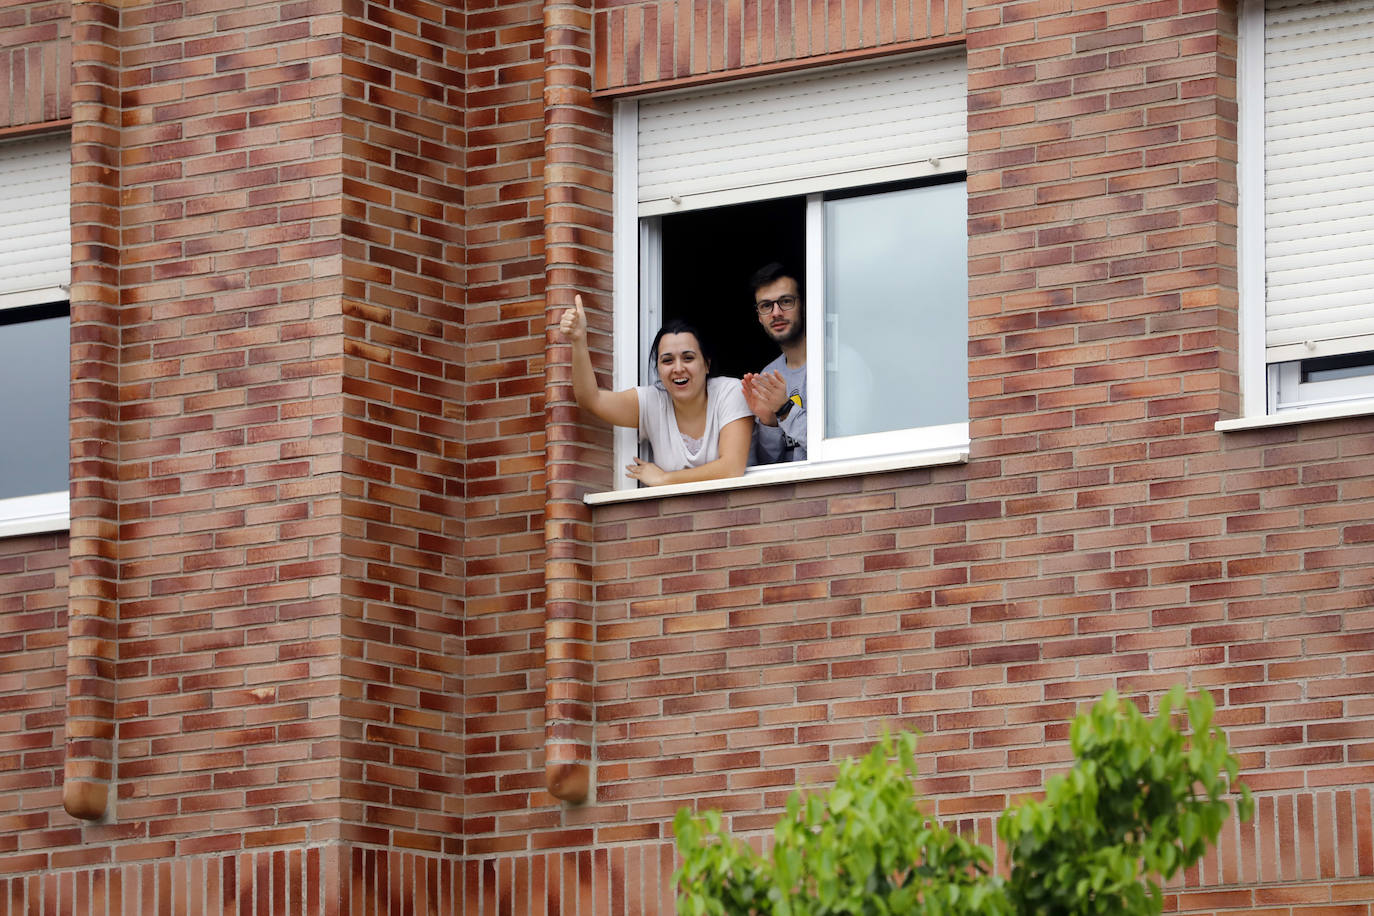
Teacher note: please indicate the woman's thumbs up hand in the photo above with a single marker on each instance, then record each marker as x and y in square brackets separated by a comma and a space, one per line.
[573, 324]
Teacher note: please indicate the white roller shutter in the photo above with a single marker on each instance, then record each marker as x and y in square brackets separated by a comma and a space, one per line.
[1319, 177]
[35, 220]
[811, 131]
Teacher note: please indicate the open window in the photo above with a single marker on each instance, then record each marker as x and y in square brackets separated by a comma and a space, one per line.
[35, 359]
[1307, 204]
[853, 177]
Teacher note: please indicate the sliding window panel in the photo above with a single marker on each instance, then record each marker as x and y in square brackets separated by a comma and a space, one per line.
[896, 317]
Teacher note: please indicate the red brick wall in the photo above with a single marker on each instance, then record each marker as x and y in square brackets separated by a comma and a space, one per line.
[33, 657]
[229, 405]
[337, 882]
[749, 642]
[93, 597]
[35, 62]
[578, 191]
[504, 412]
[314, 332]
[655, 43]
[283, 541]
[1102, 535]
[402, 205]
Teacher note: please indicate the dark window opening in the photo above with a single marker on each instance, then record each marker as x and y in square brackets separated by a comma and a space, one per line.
[708, 257]
[1331, 368]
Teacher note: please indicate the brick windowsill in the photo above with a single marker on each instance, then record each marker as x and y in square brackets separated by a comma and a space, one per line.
[767, 476]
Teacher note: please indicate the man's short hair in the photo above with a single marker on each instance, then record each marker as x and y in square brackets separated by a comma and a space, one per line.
[771, 273]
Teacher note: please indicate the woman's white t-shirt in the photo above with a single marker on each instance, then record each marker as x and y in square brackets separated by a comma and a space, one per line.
[657, 423]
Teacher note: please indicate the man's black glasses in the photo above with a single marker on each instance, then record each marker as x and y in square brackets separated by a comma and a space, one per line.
[786, 303]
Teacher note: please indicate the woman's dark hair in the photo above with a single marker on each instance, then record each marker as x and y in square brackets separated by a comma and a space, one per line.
[679, 326]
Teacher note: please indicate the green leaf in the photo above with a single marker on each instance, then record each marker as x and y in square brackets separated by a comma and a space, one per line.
[1139, 804]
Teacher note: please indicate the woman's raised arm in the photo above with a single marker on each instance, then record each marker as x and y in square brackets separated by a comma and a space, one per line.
[619, 408]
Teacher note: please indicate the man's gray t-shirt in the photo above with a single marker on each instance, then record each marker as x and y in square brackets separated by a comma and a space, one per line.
[787, 440]
[657, 423]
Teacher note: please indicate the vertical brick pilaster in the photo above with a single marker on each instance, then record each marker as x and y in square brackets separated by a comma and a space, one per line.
[401, 467]
[503, 411]
[577, 233]
[93, 611]
[229, 362]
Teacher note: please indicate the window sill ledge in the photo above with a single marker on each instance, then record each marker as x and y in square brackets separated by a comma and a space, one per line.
[779, 474]
[42, 514]
[1297, 416]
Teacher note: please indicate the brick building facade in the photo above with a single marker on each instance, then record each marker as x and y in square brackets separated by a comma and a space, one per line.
[333, 629]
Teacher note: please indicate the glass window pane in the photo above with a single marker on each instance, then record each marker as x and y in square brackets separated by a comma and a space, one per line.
[34, 367]
[896, 310]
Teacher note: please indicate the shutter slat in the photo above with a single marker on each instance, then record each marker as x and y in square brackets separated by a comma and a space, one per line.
[813, 131]
[1310, 284]
[1347, 220]
[35, 218]
[1319, 177]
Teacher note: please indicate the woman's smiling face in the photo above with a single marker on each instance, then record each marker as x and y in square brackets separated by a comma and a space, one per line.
[681, 367]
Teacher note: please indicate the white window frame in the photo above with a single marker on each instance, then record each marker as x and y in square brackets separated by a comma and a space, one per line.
[1254, 381]
[36, 514]
[637, 311]
[39, 512]
[1270, 391]
[821, 448]
[1288, 391]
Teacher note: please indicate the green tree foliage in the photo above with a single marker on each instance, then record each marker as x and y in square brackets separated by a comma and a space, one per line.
[1142, 802]
[861, 848]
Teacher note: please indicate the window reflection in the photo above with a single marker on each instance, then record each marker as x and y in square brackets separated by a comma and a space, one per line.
[896, 310]
[34, 369]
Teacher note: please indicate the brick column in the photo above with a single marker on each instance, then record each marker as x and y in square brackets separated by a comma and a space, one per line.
[230, 357]
[400, 466]
[577, 233]
[92, 647]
